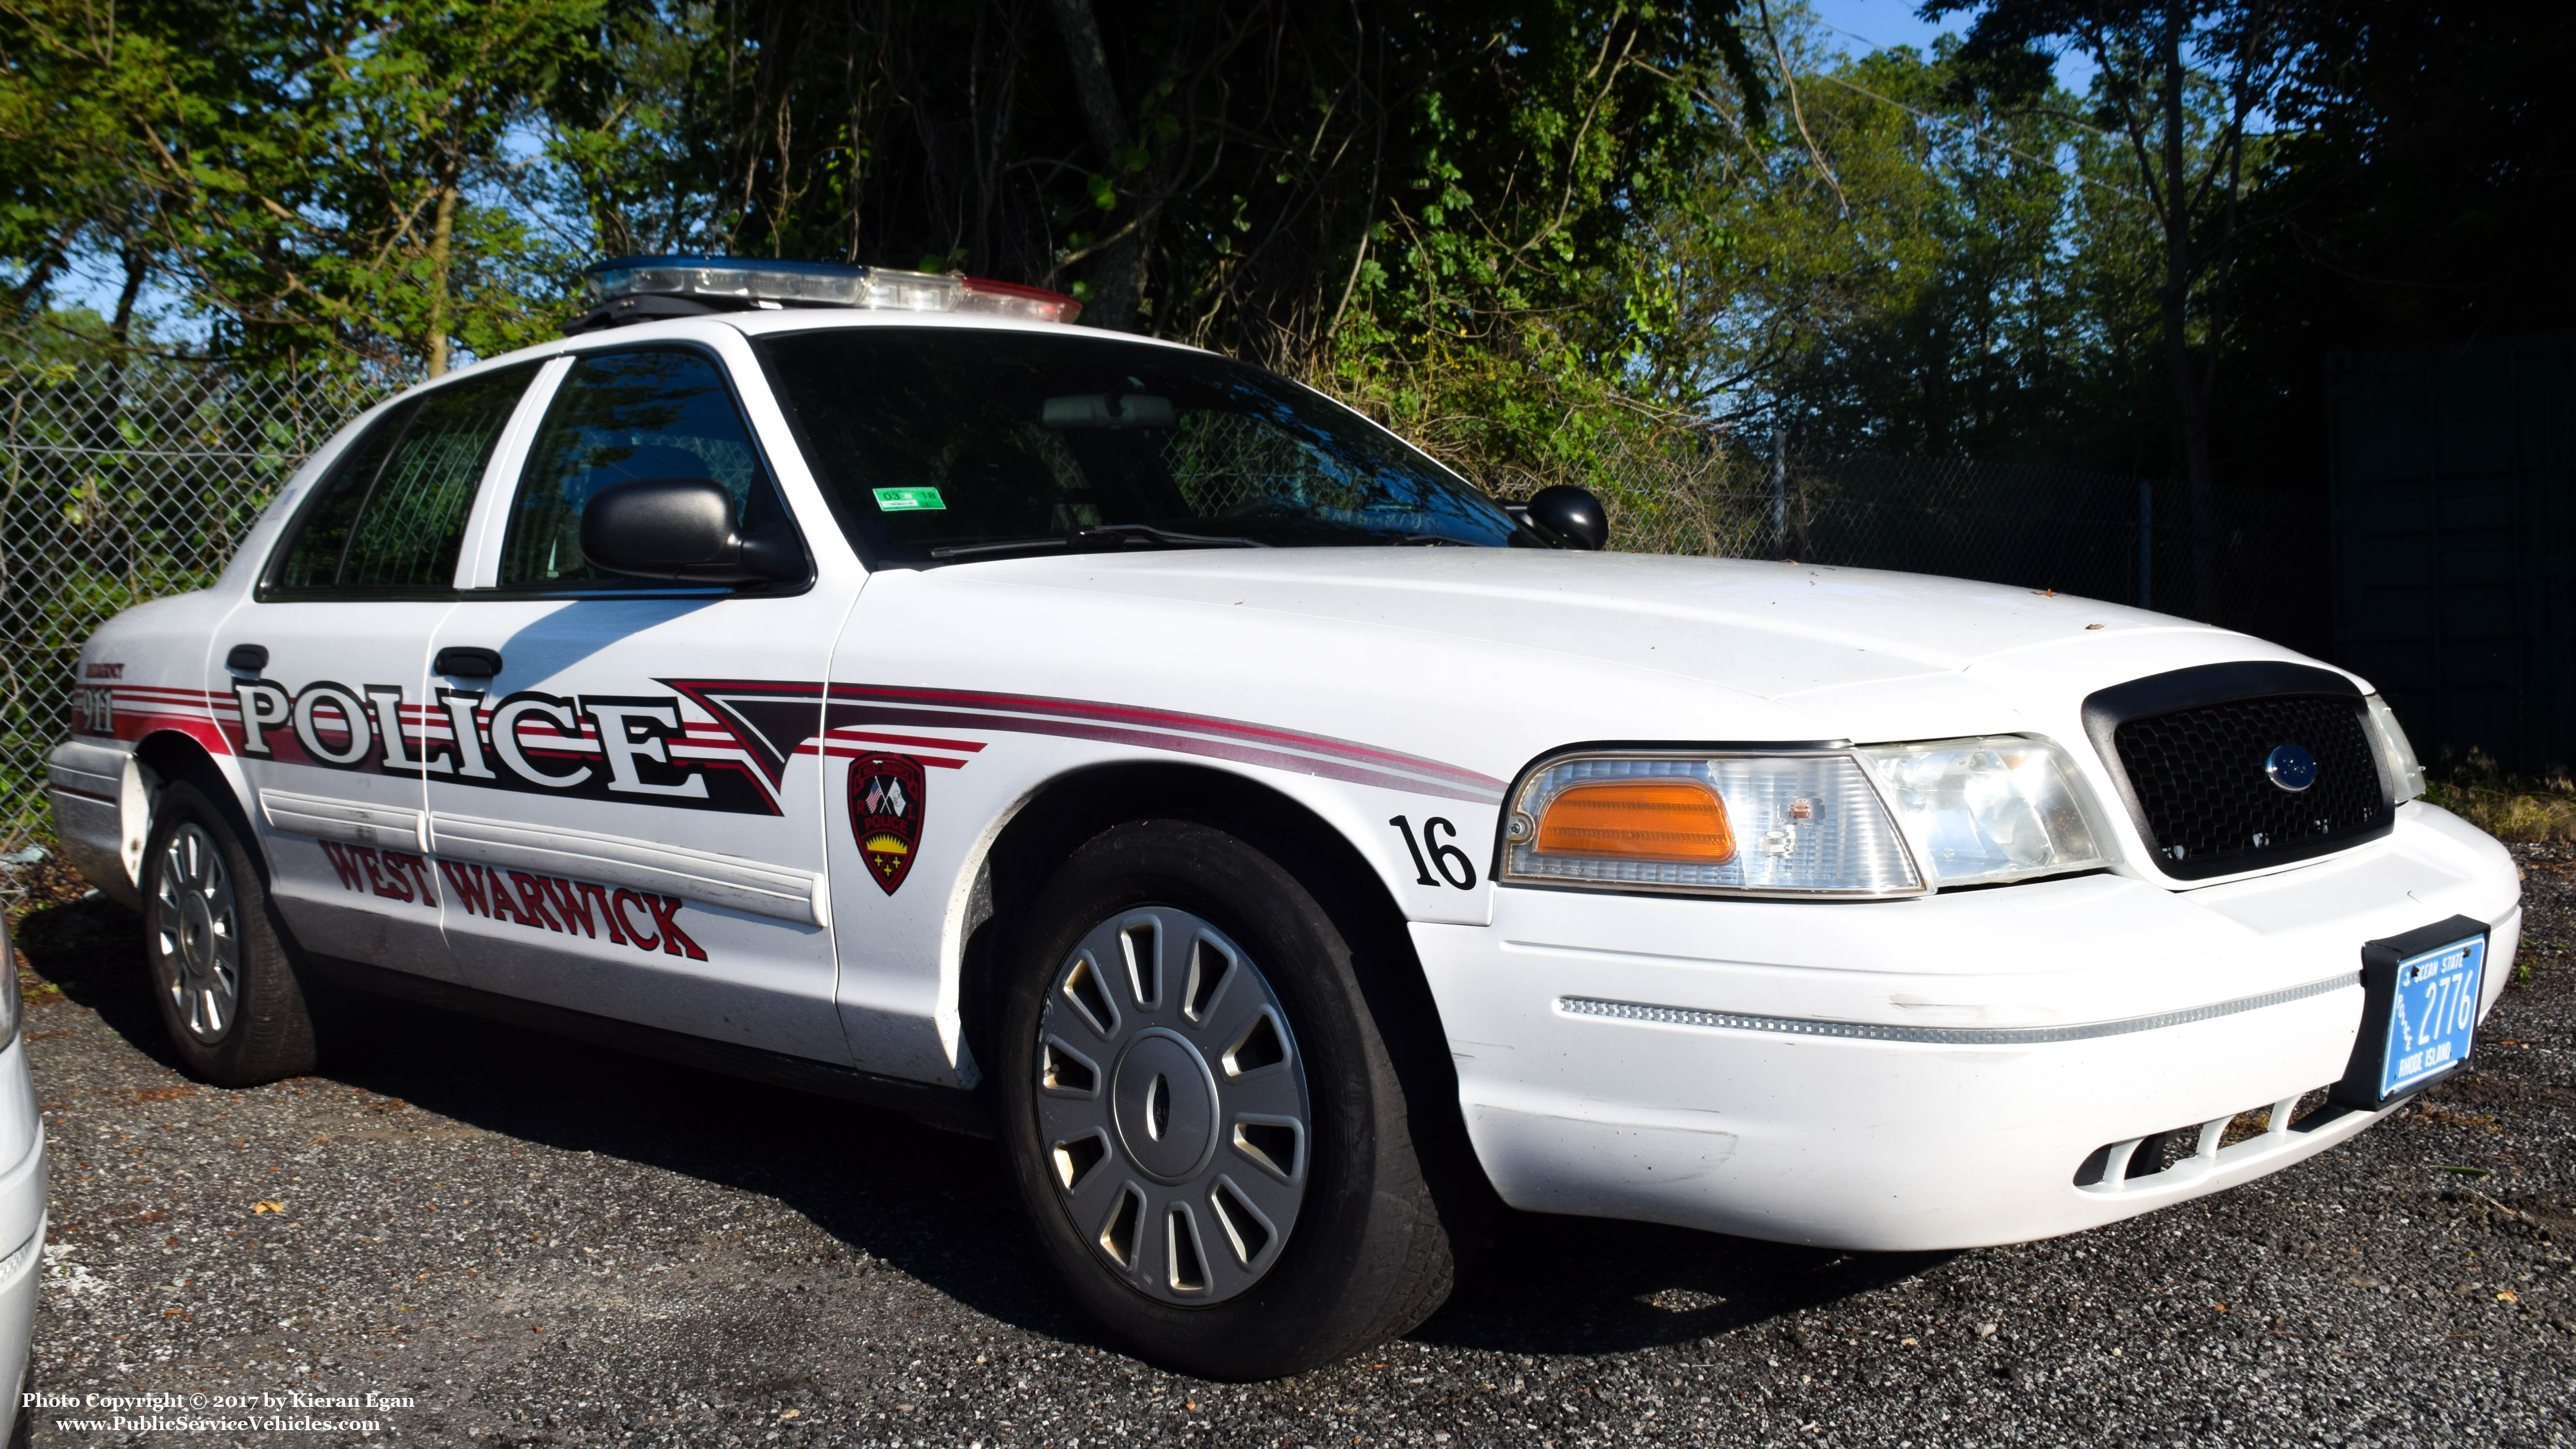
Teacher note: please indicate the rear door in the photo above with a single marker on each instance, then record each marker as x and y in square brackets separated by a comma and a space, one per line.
[329, 725]
[635, 826]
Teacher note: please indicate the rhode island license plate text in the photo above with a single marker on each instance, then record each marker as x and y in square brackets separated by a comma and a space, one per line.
[2434, 1013]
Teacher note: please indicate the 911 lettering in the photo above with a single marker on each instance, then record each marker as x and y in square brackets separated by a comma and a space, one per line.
[94, 712]
[645, 920]
[639, 748]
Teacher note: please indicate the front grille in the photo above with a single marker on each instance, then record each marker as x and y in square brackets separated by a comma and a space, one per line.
[2207, 805]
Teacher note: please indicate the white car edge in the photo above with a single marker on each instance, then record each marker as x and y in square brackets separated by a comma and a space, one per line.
[22, 1193]
[1926, 1053]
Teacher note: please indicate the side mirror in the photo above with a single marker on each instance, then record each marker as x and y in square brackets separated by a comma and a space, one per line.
[679, 529]
[1570, 515]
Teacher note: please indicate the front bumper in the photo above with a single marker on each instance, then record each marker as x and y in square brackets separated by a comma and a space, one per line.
[1935, 1073]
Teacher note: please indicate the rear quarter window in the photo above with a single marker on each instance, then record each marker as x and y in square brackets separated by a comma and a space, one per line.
[391, 515]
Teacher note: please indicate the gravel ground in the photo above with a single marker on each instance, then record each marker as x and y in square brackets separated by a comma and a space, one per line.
[520, 1241]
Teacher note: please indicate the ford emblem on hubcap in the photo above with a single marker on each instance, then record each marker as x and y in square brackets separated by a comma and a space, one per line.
[2291, 767]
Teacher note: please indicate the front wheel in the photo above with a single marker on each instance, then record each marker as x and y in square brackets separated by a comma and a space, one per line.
[1201, 1112]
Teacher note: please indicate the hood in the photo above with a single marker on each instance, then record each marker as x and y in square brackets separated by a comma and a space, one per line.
[1570, 645]
[1773, 629]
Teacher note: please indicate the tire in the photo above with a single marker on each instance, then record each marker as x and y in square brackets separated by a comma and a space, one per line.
[221, 975]
[1214, 1144]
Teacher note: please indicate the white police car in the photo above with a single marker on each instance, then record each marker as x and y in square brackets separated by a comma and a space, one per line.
[862, 680]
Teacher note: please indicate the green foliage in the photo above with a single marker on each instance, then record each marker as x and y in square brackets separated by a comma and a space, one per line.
[1911, 265]
[1922, 271]
[2507, 807]
[327, 181]
[1553, 239]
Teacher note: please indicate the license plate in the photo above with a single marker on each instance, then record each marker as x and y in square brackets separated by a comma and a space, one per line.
[2419, 1008]
[2432, 1014]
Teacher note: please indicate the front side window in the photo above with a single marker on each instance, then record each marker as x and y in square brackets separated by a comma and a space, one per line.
[947, 444]
[392, 514]
[622, 417]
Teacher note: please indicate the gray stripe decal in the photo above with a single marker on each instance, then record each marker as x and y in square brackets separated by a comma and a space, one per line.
[1946, 1035]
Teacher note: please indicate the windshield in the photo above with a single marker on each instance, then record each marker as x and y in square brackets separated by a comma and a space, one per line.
[953, 445]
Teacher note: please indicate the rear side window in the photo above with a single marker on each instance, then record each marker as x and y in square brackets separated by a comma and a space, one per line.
[620, 417]
[392, 514]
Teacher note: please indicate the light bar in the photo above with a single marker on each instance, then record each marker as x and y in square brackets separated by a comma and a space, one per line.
[744, 282]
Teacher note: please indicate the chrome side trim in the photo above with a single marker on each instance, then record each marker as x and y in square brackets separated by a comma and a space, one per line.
[1948, 1035]
[331, 819]
[731, 881]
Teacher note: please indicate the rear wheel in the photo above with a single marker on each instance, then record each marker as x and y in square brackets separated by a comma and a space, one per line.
[220, 973]
[1201, 1113]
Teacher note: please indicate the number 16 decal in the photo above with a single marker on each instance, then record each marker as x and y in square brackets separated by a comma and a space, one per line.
[1453, 864]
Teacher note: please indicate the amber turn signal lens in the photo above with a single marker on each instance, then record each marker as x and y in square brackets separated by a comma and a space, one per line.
[1668, 820]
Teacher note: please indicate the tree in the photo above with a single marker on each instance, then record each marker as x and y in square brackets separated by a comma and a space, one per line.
[1892, 276]
[2183, 83]
[91, 99]
[1412, 206]
[2422, 150]
[311, 174]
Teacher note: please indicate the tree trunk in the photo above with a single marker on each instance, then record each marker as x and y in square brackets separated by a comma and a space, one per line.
[2192, 410]
[137, 266]
[2191, 404]
[24, 297]
[1118, 270]
[442, 235]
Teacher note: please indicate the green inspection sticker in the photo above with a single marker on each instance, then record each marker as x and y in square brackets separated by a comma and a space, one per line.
[907, 500]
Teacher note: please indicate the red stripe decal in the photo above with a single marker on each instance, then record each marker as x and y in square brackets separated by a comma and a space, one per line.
[1165, 719]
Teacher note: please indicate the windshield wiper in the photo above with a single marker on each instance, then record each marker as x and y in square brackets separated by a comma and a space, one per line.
[1167, 535]
[1121, 532]
[1008, 545]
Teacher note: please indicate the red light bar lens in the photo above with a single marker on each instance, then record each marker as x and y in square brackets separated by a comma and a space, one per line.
[1010, 299]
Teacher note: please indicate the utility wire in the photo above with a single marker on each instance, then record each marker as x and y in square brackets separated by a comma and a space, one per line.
[1981, 137]
[1976, 133]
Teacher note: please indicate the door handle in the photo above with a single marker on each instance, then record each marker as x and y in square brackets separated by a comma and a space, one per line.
[465, 662]
[247, 658]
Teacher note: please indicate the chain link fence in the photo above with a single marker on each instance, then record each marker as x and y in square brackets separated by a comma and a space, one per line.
[2115, 537]
[126, 482]
[121, 482]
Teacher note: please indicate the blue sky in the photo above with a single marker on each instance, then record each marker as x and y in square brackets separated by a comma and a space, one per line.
[1866, 25]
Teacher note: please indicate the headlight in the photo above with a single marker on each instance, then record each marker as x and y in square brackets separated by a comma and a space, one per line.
[1707, 823]
[2405, 772]
[1983, 810]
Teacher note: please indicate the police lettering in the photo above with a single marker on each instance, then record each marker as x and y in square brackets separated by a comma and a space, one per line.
[591, 745]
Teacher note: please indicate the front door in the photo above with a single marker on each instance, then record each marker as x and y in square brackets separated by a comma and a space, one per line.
[619, 837]
[322, 669]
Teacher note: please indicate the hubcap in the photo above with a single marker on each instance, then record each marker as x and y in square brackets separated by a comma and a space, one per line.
[196, 937]
[1173, 1106]
[1164, 1097]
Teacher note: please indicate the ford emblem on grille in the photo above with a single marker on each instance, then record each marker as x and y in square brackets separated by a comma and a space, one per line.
[2291, 767]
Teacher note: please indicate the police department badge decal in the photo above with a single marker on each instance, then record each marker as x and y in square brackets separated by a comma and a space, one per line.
[886, 798]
